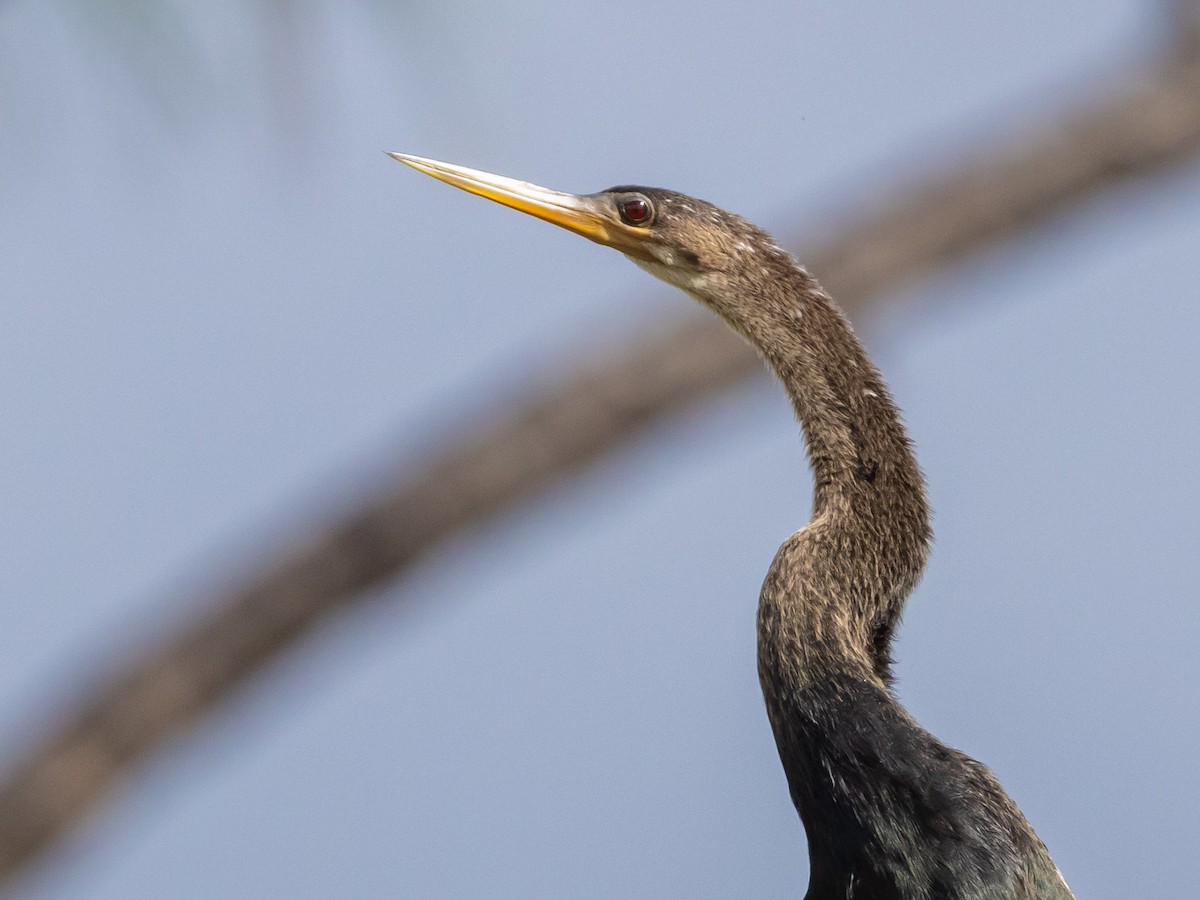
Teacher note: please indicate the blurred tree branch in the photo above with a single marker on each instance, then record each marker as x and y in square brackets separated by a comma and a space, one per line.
[1183, 20]
[1152, 122]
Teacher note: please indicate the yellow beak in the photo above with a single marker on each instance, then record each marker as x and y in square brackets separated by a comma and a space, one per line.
[583, 214]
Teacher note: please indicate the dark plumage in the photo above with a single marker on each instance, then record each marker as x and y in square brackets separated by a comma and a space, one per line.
[890, 812]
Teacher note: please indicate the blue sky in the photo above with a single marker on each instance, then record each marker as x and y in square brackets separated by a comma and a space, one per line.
[223, 308]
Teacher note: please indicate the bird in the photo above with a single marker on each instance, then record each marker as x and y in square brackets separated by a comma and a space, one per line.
[889, 811]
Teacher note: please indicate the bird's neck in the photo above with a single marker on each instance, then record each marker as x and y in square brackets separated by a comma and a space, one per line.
[858, 449]
[888, 810]
[837, 587]
[835, 590]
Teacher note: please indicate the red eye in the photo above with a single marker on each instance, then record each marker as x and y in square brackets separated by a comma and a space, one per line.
[635, 211]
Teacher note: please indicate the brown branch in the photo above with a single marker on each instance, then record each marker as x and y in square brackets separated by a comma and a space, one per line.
[1183, 23]
[1150, 125]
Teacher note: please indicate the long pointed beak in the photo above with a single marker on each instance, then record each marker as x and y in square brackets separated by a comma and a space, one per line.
[580, 213]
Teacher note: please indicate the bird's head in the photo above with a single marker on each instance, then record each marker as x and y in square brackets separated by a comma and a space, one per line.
[686, 242]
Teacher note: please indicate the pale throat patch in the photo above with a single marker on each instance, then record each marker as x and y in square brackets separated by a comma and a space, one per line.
[667, 268]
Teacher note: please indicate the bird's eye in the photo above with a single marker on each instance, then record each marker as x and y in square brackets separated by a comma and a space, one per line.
[636, 211]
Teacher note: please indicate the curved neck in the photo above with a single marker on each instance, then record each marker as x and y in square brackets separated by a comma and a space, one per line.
[841, 582]
[834, 593]
[889, 811]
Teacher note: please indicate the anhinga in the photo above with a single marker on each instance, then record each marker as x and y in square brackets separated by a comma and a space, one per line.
[890, 812]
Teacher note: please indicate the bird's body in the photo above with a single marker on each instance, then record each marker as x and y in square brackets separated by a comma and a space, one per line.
[890, 812]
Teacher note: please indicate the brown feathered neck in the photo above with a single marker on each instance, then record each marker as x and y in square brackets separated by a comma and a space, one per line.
[838, 585]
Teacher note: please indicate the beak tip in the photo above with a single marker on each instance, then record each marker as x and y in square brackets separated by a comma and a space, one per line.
[420, 163]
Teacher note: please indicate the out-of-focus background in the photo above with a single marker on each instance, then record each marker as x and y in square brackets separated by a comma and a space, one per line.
[224, 310]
